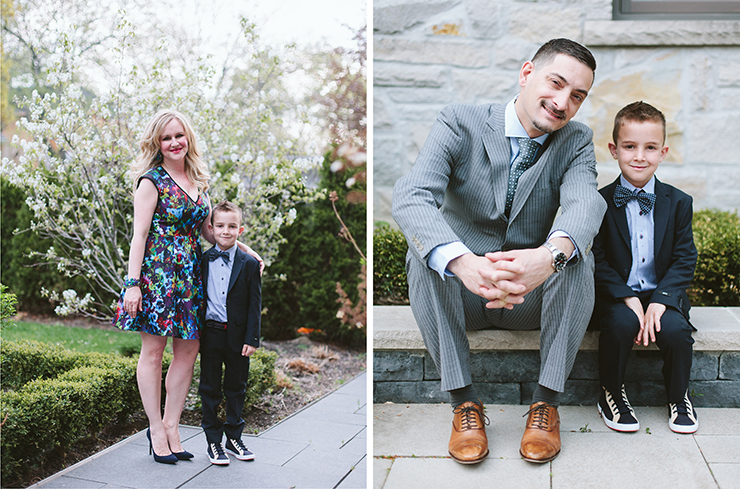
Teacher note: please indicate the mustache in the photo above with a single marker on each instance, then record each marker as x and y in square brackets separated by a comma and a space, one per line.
[557, 112]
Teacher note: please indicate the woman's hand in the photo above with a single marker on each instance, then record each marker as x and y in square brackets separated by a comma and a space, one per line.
[250, 251]
[132, 301]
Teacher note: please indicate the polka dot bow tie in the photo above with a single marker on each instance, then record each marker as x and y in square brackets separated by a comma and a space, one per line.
[646, 200]
[216, 254]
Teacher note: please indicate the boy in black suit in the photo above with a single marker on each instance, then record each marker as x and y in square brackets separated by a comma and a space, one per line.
[645, 260]
[231, 279]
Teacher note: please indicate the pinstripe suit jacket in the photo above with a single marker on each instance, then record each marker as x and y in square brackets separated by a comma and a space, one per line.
[457, 188]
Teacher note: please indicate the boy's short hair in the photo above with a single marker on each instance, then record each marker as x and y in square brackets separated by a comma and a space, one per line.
[637, 112]
[226, 206]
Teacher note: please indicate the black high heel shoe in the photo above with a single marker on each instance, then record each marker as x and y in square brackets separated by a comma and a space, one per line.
[162, 459]
[184, 455]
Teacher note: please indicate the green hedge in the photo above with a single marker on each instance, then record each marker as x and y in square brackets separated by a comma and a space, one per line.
[717, 276]
[52, 397]
[389, 266]
[716, 280]
[261, 376]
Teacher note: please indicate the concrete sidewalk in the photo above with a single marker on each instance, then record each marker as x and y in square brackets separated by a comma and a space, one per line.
[410, 451]
[322, 446]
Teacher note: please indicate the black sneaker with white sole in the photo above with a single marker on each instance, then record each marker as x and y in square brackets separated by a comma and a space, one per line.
[235, 447]
[617, 411]
[216, 454]
[683, 417]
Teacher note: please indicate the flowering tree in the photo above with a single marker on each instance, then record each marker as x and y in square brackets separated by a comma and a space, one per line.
[78, 147]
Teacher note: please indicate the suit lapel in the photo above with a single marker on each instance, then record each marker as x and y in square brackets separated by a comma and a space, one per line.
[238, 263]
[620, 216]
[661, 213]
[498, 150]
[206, 268]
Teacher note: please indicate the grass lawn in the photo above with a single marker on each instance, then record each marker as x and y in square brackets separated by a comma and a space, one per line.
[75, 338]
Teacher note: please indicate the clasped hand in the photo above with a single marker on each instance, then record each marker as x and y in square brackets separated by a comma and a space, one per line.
[504, 277]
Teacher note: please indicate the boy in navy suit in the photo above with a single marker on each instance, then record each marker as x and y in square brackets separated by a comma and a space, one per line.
[645, 260]
[231, 279]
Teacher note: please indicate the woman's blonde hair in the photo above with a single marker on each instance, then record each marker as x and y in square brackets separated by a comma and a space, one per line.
[151, 156]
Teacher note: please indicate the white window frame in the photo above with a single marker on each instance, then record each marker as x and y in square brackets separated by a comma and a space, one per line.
[676, 9]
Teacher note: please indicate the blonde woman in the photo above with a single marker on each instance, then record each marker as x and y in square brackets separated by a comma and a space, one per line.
[163, 294]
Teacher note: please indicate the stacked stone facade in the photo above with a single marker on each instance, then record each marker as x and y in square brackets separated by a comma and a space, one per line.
[431, 53]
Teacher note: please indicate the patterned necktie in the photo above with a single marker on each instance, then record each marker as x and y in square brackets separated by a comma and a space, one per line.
[217, 253]
[527, 149]
[622, 195]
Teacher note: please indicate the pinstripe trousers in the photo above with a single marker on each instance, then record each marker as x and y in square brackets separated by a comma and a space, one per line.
[444, 309]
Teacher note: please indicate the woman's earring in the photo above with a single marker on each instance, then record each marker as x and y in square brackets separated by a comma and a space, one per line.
[159, 154]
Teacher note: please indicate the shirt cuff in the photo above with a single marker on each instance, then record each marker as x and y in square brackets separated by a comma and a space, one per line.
[442, 255]
[563, 234]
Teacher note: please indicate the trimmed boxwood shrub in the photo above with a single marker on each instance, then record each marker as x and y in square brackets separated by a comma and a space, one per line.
[717, 276]
[716, 280]
[389, 266]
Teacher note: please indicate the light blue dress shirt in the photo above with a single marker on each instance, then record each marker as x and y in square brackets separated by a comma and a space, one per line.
[219, 274]
[442, 255]
[642, 233]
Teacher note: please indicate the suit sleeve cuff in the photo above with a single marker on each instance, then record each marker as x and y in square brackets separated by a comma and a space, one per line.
[563, 234]
[442, 255]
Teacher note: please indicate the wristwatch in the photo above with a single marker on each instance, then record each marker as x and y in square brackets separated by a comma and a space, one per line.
[558, 257]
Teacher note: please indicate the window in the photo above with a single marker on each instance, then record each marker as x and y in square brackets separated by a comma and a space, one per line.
[676, 9]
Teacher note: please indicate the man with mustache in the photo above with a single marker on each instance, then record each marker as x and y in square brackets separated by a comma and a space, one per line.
[500, 211]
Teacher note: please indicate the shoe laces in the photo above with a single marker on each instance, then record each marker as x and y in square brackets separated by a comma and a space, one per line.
[238, 445]
[468, 418]
[217, 449]
[622, 405]
[540, 415]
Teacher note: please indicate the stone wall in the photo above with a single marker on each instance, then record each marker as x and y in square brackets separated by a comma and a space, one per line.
[431, 53]
[510, 377]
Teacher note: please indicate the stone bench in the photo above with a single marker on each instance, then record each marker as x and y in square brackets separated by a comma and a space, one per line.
[505, 364]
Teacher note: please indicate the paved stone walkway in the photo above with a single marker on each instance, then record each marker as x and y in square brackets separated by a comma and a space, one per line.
[322, 446]
[410, 451]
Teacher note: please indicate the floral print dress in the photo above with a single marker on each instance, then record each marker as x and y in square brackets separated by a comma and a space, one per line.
[171, 282]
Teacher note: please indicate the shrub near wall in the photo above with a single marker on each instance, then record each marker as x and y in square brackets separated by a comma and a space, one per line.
[716, 280]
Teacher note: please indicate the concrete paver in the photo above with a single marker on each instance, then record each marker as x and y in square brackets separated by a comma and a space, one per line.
[410, 451]
[322, 446]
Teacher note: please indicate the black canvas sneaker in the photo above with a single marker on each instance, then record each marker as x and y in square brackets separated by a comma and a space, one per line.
[235, 447]
[216, 454]
[617, 411]
[683, 417]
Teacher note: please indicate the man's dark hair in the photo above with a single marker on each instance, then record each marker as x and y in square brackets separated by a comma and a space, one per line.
[637, 112]
[226, 206]
[554, 47]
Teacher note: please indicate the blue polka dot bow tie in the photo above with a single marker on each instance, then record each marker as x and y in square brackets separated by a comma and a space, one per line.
[216, 253]
[646, 200]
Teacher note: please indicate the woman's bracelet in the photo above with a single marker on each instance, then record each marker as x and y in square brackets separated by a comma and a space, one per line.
[129, 282]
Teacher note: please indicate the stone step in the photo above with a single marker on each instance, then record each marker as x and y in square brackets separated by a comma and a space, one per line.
[505, 364]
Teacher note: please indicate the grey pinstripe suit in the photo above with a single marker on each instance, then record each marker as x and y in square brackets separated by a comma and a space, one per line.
[456, 192]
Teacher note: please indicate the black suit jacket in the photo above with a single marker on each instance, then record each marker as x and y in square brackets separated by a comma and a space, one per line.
[243, 299]
[674, 253]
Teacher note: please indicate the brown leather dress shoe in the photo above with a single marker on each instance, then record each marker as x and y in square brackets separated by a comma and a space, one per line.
[468, 442]
[541, 440]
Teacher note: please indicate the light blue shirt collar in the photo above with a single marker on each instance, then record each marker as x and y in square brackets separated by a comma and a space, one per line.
[231, 251]
[513, 127]
[649, 187]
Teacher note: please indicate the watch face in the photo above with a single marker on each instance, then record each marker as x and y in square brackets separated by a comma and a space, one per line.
[559, 261]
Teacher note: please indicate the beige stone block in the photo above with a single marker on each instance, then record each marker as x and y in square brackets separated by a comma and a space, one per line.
[511, 55]
[449, 51]
[729, 75]
[389, 161]
[700, 92]
[392, 16]
[418, 134]
[397, 75]
[479, 86]
[382, 118]
[710, 143]
[663, 33]
[382, 206]
[486, 18]
[540, 23]
[416, 95]
[729, 99]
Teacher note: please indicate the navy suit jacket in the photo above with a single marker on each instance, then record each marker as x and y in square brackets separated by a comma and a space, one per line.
[243, 299]
[674, 253]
